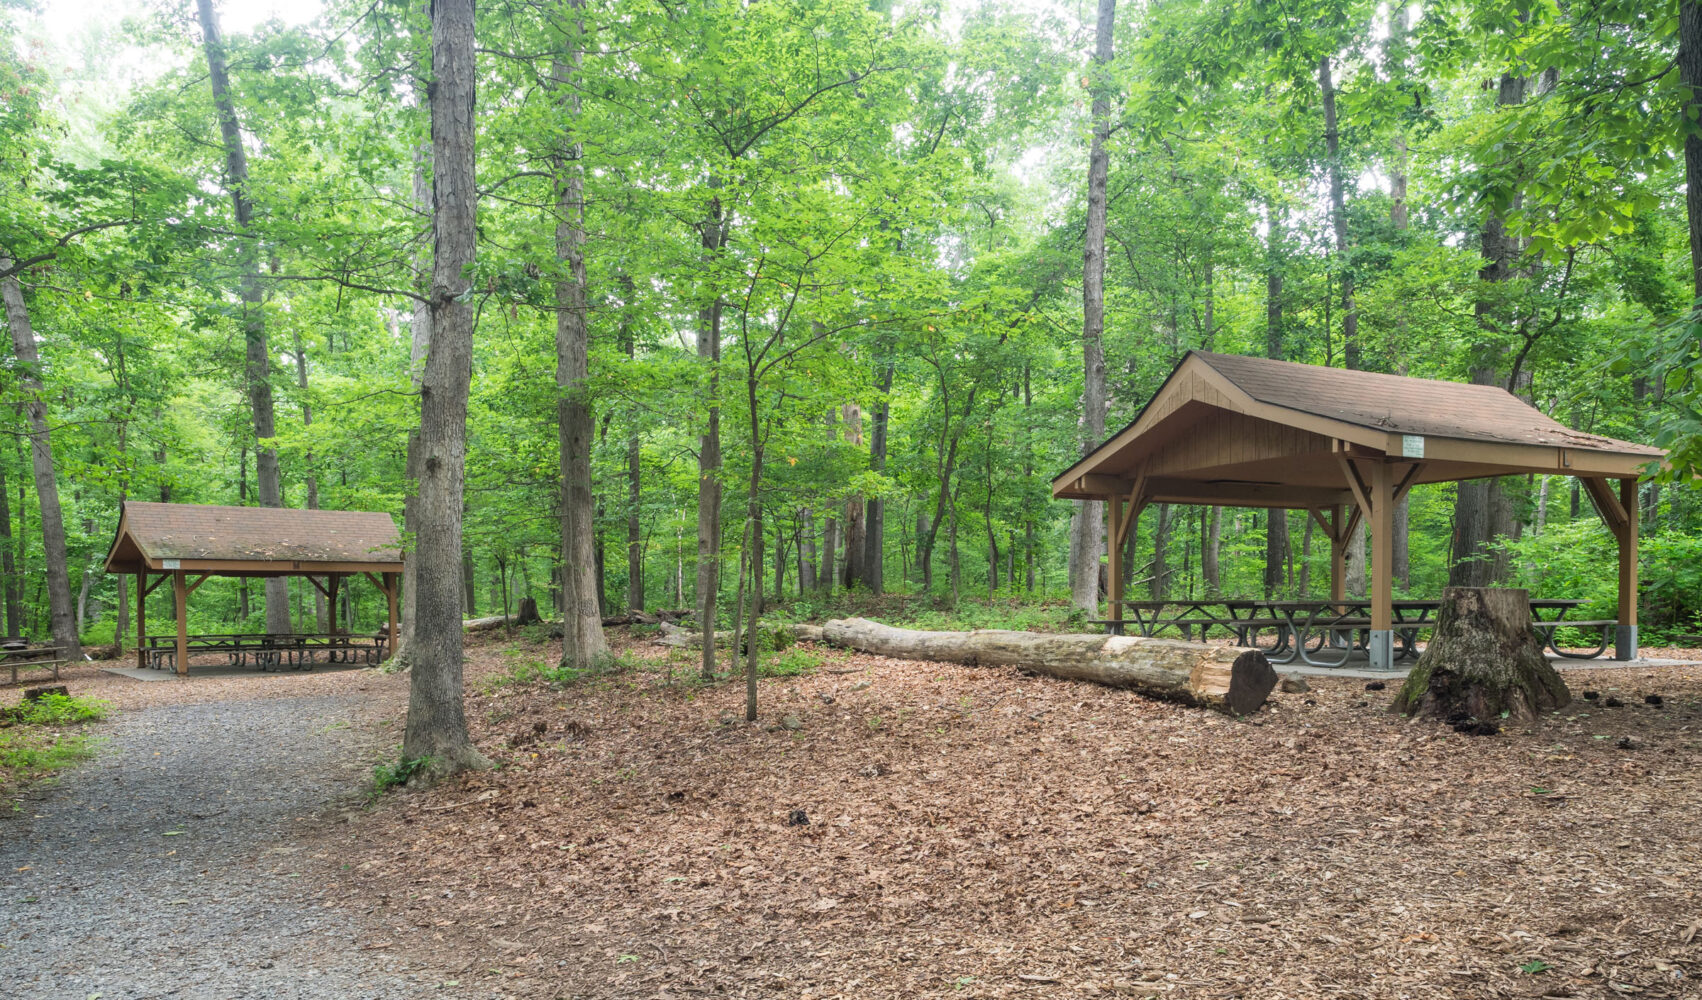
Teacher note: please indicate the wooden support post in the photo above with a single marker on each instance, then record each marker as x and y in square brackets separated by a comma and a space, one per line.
[1338, 552]
[180, 590]
[1382, 515]
[1625, 636]
[1114, 567]
[336, 581]
[142, 618]
[389, 589]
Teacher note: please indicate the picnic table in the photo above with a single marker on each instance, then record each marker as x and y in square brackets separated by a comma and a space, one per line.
[1325, 633]
[16, 653]
[293, 651]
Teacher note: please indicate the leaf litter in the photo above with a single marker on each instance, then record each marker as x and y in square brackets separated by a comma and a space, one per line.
[976, 833]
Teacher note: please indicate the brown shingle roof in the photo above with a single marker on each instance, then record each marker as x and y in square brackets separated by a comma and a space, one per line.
[1405, 405]
[248, 534]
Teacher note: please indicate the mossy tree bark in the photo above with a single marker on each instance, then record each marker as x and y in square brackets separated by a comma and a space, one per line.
[1484, 659]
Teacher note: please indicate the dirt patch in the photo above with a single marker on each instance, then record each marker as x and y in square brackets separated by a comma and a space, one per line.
[928, 829]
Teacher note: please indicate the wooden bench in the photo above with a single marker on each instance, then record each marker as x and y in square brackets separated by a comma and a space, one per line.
[17, 656]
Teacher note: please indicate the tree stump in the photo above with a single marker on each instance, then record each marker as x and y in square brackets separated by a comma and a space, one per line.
[528, 613]
[1483, 659]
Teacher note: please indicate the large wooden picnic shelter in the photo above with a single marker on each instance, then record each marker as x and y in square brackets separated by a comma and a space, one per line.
[188, 543]
[1344, 446]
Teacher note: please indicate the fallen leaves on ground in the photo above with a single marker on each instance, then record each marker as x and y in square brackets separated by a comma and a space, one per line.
[933, 829]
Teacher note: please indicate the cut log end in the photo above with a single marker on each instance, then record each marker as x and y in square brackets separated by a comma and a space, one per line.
[1244, 686]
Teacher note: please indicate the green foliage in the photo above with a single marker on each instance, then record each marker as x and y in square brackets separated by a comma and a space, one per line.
[396, 774]
[59, 710]
[34, 739]
[794, 662]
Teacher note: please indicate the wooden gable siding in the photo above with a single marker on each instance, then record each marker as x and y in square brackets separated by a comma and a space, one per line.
[1219, 438]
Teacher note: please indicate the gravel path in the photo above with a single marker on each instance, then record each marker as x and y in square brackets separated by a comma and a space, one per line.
[166, 867]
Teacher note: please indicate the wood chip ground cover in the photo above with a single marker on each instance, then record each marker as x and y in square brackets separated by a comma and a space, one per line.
[979, 833]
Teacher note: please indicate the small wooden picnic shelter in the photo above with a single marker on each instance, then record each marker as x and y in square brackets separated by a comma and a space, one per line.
[1344, 446]
[188, 543]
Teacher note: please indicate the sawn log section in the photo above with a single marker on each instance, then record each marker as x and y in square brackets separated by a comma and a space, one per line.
[1225, 678]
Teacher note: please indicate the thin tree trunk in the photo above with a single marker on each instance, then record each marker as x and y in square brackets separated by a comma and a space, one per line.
[467, 582]
[244, 608]
[709, 446]
[60, 613]
[1350, 314]
[874, 511]
[1690, 72]
[1209, 551]
[1304, 590]
[829, 554]
[852, 569]
[320, 619]
[13, 595]
[583, 642]
[437, 724]
[1338, 217]
[419, 329]
[634, 471]
[1027, 476]
[1087, 539]
[753, 641]
[1160, 586]
[1400, 560]
[807, 552]
[258, 368]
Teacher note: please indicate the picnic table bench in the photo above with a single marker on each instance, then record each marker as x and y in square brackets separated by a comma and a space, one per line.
[295, 651]
[17, 654]
[1325, 633]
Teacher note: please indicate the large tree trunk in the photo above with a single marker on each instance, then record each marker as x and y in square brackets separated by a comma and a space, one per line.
[61, 615]
[1483, 659]
[437, 723]
[1481, 508]
[709, 444]
[258, 364]
[1224, 678]
[583, 643]
[1087, 528]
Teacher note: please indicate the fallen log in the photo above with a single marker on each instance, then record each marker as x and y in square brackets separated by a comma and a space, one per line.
[690, 638]
[644, 618]
[1225, 678]
[484, 624]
